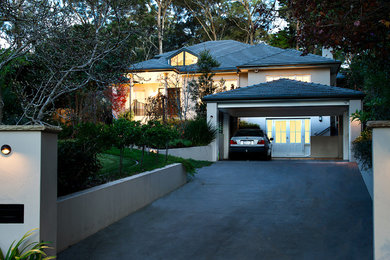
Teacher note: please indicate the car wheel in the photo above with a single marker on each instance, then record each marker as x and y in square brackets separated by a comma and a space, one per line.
[268, 157]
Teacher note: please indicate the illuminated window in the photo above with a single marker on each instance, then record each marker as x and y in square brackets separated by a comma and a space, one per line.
[269, 128]
[184, 58]
[307, 131]
[295, 131]
[304, 78]
[280, 132]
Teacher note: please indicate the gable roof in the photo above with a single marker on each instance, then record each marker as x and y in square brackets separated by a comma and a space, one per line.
[233, 55]
[285, 89]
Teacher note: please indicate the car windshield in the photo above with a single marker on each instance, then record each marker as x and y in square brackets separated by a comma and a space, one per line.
[249, 132]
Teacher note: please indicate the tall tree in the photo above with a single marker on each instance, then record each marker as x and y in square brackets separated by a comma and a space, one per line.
[87, 47]
[211, 15]
[351, 25]
[23, 24]
[163, 6]
[254, 17]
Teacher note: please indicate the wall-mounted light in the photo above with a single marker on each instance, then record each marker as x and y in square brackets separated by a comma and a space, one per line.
[320, 118]
[6, 149]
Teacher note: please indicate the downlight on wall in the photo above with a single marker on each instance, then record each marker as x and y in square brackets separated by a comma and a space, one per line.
[6, 149]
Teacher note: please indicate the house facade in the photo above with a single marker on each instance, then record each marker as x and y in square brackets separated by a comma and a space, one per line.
[303, 132]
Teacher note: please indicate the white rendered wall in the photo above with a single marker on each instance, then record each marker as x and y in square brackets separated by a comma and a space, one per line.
[355, 127]
[29, 176]
[212, 117]
[226, 135]
[318, 75]
[381, 202]
[20, 182]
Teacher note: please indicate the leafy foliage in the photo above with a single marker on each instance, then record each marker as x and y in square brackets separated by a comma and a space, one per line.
[159, 135]
[77, 158]
[245, 124]
[124, 133]
[26, 251]
[362, 148]
[199, 132]
[371, 75]
[351, 25]
[118, 97]
[204, 85]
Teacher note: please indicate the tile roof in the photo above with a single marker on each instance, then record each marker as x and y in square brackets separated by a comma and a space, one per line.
[232, 55]
[285, 89]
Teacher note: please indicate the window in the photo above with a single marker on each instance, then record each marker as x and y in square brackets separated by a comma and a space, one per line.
[184, 58]
[280, 131]
[295, 131]
[304, 78]
[269, 128]
[173, 101]
[307, 131]
[230, 84]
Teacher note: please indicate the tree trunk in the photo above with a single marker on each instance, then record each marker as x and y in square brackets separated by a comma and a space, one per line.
[142, 156]
[166, 152]
[159, 28]
[1, 105]
[121, 161]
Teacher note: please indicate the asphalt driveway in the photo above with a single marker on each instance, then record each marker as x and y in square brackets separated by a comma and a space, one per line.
[247, 210]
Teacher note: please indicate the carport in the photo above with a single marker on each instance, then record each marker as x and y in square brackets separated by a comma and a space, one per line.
[285, 98]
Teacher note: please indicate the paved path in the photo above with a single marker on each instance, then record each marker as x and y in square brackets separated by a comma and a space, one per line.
[247, 210]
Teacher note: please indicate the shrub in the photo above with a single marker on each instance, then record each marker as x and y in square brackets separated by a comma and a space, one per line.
[77, 158]
[199, 132]
[124, 133]
[179, 143]
[77, 166]
[362, 148]
[244, 125]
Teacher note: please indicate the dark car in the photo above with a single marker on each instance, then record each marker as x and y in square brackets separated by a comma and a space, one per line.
[250, 141]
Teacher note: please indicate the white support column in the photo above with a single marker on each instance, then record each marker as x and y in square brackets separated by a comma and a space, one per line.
[355, 127]
[381, 198]
[212, 117]
[226, 134]
[28, 180]
[346, 136]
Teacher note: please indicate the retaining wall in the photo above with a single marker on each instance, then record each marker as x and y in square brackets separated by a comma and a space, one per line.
[82, 214]
[201, 153]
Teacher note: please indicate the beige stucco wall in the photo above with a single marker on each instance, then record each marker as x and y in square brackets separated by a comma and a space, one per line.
[318, 75]
[243, 79]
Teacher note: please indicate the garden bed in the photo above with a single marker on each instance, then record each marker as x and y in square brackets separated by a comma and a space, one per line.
[132, 165]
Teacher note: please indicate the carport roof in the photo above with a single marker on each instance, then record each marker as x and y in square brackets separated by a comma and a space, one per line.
[285, 89]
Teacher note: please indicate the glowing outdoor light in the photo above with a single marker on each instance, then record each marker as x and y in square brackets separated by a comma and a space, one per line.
[6, 149]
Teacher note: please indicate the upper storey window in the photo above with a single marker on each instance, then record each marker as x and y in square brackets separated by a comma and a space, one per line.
[305, 78]
[183, 59]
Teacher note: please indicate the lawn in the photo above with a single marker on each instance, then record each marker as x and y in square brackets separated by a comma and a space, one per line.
[132, 165]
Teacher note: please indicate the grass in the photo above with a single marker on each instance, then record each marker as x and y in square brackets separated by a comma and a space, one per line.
[110, 163]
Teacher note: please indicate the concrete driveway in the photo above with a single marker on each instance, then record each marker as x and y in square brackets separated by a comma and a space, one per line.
[248, 210]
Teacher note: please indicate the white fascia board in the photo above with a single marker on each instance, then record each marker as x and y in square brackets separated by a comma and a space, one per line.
[283, 104]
